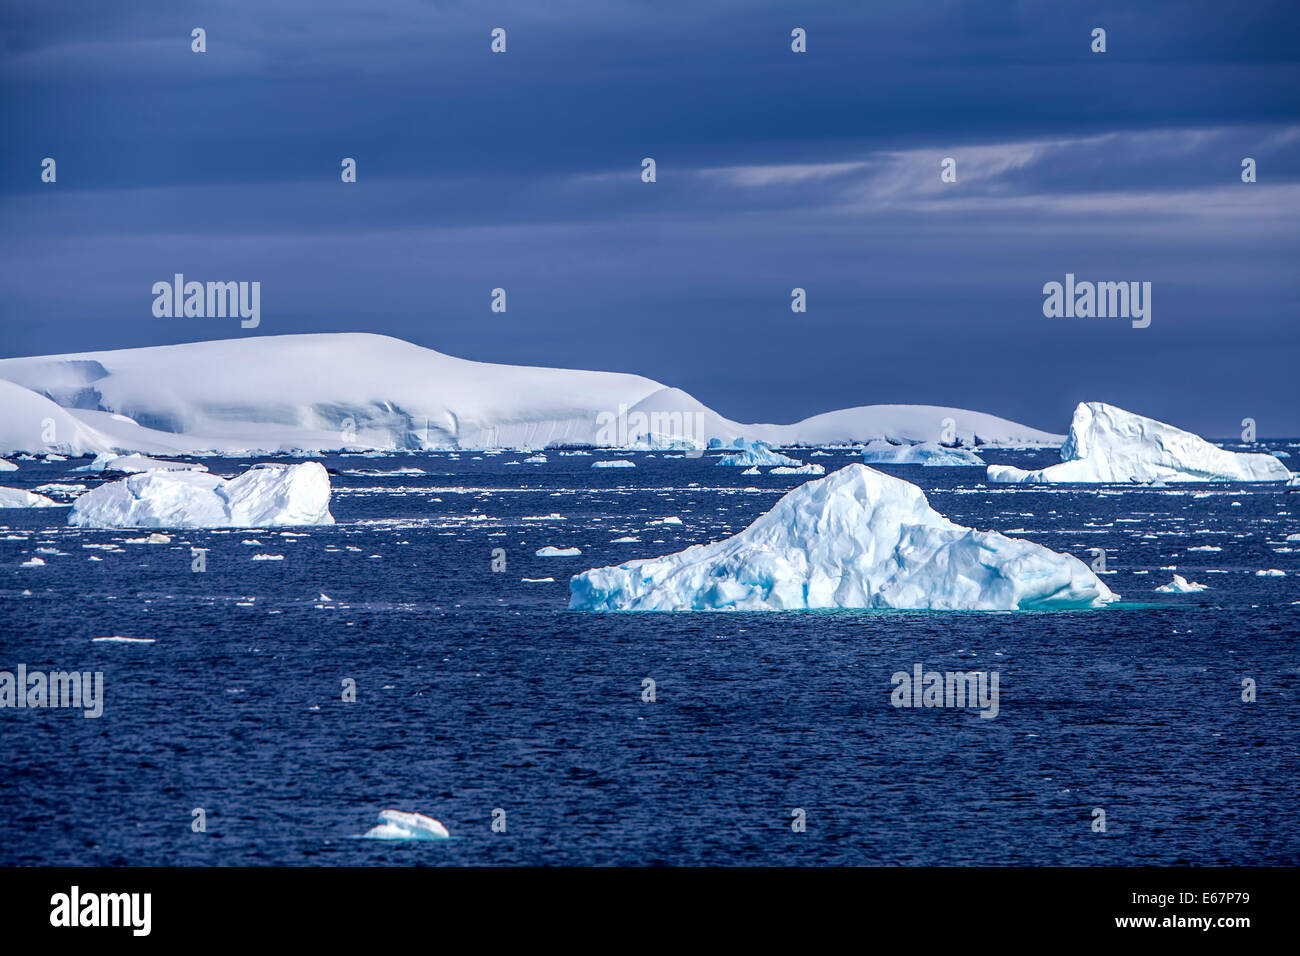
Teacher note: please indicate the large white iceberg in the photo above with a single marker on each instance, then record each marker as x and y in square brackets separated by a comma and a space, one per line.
[857, 538]
[263, 496]
[925, 453]
[1108, 444]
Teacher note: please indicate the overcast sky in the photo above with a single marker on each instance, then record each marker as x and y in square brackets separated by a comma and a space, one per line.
[819, 170]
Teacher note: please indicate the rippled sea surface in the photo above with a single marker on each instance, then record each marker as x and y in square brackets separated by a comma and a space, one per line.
[478, 690]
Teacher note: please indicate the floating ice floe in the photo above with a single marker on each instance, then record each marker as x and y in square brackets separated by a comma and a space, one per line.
[119, 639]
[1270, 573]
[134, 464]
[7, 465]
[553, 552]
[396, 825]
[812, 469]
[926, 453]
[263, 496]
[615, 463]
[154, 538]
[857, 538]
[1180, 585]
[755, 453]
[1108, 444]
[18, 498]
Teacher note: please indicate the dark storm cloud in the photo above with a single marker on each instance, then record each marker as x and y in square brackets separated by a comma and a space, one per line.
[775, 170]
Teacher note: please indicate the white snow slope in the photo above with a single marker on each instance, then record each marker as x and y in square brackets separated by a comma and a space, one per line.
[268, 394]
[857, 538]
[1108, 444]
[264, 496]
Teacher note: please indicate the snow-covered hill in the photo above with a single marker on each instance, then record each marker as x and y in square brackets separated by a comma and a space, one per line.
[330, 391]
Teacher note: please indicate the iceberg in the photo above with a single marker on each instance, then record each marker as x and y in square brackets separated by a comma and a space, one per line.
[926, 453]
[550, 551]
[811, 469]
[857, 538]
[17, 498]
[263, 496]
[1108, 444]
[397, 825]
[1180, 585]
[752, 453]
[133, 464]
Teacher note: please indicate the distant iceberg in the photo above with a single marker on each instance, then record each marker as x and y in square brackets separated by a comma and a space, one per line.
[397, 825]
[755, 453]
[1108, 444]
[1180, 585]
[263, 496]
[134, 464]
[857, 538]
[926, 453]
[812, 469]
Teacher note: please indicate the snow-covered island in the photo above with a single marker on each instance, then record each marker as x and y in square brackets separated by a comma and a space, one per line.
[264, 496]
[270, 394]
[857, 538]
[1108, 444]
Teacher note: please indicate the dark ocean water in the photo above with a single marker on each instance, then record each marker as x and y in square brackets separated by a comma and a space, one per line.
[477, 690]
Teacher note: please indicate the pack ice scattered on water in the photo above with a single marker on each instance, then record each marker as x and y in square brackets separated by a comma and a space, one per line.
[398, 825]
[857, 538]
[263, 496]
[925, 453]
[1108, 444]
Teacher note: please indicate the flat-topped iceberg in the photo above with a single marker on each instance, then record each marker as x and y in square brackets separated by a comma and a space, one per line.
[1108, 444]
[751, 453]
[857, 538]
[926, 453]
[263, 496]
[133, 464]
